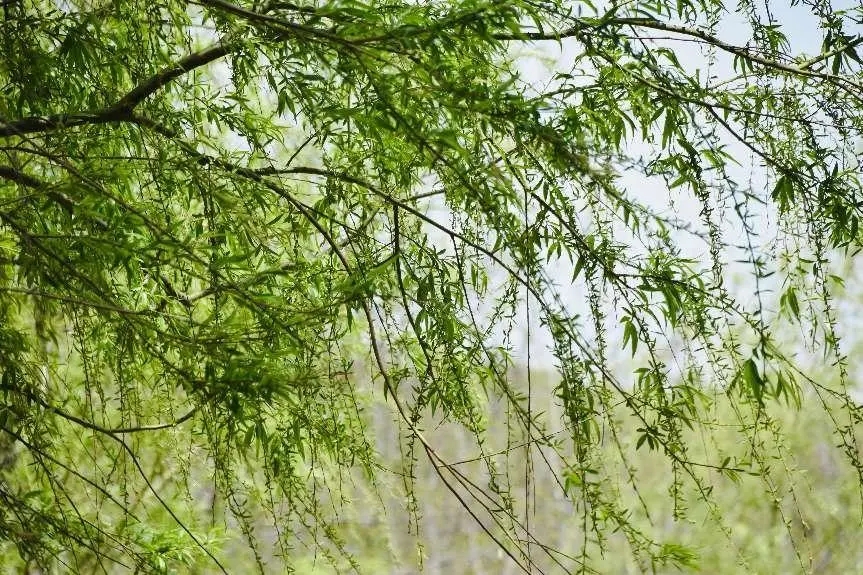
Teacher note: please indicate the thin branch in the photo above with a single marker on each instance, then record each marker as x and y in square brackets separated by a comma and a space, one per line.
[827, 55]
[75, 301]
[388, 385]
[581, 28]
[119, 430]
[115, 435]
[92, 426]
[41, 453]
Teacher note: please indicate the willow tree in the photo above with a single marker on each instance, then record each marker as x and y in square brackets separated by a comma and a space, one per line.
[229, 227]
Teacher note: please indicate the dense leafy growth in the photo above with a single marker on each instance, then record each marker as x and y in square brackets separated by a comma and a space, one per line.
[230, 229]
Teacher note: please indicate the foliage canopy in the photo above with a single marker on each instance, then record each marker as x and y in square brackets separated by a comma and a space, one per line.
[228, 228]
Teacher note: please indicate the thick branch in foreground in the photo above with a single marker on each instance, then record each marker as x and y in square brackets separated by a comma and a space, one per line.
[19, 177]
[150, 86]
[28, 181]
[120, 111]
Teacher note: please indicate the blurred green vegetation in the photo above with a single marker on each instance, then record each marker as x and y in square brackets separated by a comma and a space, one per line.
[265, 269]
[795, 507]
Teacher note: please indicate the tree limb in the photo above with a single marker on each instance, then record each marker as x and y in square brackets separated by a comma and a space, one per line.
[121, 110]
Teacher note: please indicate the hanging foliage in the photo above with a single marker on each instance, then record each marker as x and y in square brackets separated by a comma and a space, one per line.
[230, 229]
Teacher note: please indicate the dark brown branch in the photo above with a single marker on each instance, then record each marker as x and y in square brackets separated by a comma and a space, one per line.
[33, 124]
[19, 177]
[721, 44]
[273, 23]
[120, 111]
[28, 181]
[183, 66]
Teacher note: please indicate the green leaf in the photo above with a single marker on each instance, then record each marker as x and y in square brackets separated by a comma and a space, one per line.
[753, 379]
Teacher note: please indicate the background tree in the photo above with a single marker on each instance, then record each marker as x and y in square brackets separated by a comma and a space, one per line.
[228, 230]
